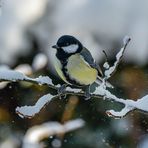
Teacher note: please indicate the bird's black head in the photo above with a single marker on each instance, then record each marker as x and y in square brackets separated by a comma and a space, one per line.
[68, 44]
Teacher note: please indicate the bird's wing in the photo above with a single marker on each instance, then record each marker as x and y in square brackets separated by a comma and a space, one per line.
[90, 60]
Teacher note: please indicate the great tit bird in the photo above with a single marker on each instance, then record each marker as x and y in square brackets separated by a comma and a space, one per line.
[75, 64]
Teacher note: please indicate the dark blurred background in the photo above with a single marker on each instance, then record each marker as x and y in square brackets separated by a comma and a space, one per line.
[29, 28]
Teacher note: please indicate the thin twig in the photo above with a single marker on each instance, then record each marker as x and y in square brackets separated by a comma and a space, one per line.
[106, 57]
[109, 72]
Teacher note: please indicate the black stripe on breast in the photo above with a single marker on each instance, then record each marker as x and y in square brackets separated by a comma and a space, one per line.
[65, 72]
[63, 57]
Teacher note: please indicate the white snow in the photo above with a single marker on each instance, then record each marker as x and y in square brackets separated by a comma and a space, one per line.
[119, 114]
[106, 65]
[11, 75]
[37, 133]
[110, 70]
[140, 104]
[44, 80]
[76, 90]
[30, 111]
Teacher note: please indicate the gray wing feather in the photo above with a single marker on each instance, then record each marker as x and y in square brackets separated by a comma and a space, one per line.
[90, 60]
[88, 57]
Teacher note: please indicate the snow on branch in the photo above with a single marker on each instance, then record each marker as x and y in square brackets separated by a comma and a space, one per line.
[111, 70]
[7, 74]
[101, 91]
[30, 111]
[37, 133]
[129, 105]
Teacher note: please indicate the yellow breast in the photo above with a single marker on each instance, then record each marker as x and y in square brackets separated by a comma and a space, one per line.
[58, 68]
[80, 71]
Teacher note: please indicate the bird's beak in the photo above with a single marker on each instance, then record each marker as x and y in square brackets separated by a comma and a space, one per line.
[55, 46]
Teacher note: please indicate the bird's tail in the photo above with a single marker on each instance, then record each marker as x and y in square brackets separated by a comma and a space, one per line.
[99, 81]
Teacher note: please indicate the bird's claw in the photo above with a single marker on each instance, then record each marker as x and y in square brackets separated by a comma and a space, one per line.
[87, 93]
[61, 90]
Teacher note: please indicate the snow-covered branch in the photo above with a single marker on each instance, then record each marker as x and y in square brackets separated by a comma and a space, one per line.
[37, 133]
[110, 70]
[140, 104]
[7, 74]
[101, 91]
[30, 111]
[129, 105]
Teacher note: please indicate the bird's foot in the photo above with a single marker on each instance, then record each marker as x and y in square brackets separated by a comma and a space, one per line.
[88, 96]
[61, 90]
[87, 93]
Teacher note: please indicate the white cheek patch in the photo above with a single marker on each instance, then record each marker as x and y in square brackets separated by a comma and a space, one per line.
[71, 48]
